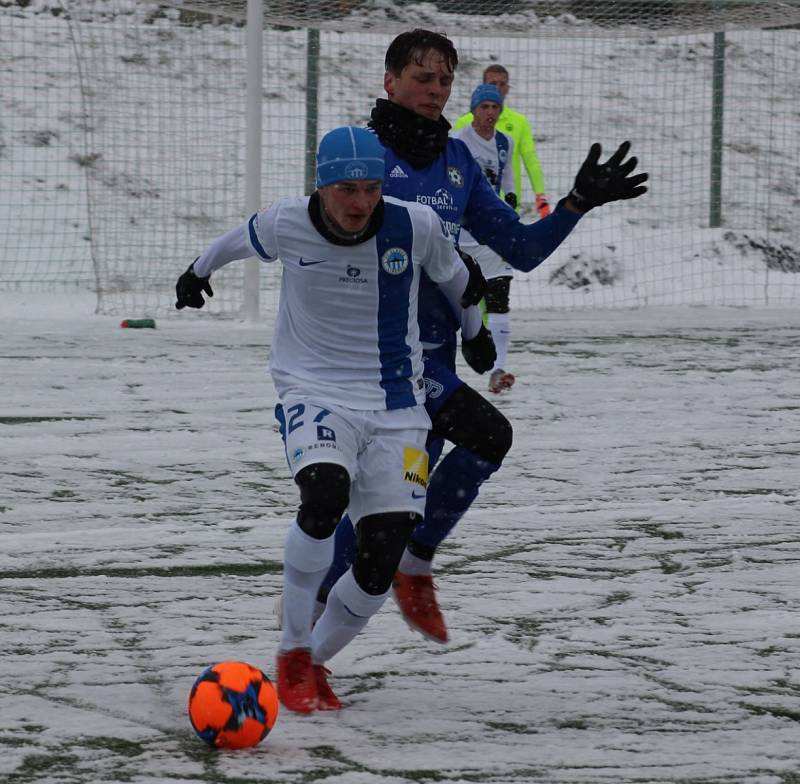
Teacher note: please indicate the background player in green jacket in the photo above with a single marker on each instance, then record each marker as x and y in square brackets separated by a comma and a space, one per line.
[518, 127]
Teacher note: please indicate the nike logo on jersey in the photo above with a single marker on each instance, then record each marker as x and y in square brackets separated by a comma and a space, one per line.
[304, 263]
[398, 172]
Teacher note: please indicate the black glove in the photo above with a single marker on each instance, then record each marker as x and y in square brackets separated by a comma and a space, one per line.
[189, 289]
[476, 285]
[479, 352]
[511, 200]
[598, 183]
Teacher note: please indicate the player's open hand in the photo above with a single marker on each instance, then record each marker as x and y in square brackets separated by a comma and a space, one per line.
[598, 183]
[189, 289]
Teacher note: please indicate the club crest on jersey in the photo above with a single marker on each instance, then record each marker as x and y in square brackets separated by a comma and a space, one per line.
[502, 155]
[395, 261]
[415, 466]
[455, 176]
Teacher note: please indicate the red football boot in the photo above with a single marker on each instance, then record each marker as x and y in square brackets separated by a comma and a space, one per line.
[297, 685]
[415, 595]
[327, 699]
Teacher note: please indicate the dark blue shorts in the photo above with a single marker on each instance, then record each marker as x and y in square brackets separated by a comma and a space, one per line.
[440, 378]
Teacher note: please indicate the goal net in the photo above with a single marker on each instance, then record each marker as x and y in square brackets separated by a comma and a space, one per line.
[122, 137]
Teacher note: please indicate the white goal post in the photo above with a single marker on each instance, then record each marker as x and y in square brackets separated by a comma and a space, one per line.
[128, 142]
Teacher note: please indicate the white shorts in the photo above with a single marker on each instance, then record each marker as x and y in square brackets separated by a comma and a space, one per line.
[382, 451]
[492, 265]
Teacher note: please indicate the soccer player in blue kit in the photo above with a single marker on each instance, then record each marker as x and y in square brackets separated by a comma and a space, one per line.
[425, 165]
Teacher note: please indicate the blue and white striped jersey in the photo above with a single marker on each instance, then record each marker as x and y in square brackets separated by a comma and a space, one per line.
[346, 331]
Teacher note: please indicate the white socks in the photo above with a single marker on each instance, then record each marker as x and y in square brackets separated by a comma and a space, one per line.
[348, 610]
[500, 327]
[306, 562]
[412, 564]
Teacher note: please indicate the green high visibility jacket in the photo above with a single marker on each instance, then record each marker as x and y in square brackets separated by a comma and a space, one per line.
[516, 125]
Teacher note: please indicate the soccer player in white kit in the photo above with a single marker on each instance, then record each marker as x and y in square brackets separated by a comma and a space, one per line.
[493, 151]
[346, 361]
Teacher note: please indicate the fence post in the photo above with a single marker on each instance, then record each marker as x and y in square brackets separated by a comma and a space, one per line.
[717, 111]
[312, 107]
[251, 304]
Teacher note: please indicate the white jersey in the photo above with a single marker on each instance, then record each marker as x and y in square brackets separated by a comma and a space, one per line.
[494, 157]
[346, 330]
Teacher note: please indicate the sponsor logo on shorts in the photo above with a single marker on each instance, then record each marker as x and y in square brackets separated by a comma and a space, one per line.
[322, 445]
[325, 433]
[415, 466]
[297, 455]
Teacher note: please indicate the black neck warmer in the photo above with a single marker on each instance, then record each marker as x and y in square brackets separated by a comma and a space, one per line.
[322, 223]
[411, 136]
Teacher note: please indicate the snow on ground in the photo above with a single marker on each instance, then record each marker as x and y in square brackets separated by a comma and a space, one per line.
[623, 597]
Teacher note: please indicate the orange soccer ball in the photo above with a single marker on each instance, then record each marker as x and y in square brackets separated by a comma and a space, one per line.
[233, 705]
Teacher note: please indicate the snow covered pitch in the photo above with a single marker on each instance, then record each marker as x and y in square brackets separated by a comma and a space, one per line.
[623, 598]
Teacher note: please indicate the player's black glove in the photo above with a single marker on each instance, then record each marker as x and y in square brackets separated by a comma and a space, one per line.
[189, 289]
[598, 183]
[479, 352]
[476, 285]
[511, 200]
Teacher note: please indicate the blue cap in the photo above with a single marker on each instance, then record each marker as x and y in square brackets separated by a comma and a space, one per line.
[485, 92]
[349, 154]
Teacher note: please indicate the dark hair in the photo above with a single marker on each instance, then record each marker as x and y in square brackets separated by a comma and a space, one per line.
[495, 69]
[413, 46]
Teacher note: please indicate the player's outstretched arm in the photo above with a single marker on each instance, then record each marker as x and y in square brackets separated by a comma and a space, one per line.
[231, 246]
[599, 183]
[190, 288]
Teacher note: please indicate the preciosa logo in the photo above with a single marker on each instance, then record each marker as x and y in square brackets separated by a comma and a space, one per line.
[352, 276]
[394, 261]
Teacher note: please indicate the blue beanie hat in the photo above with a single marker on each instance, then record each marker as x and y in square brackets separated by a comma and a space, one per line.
[349, 153]
[485, 92]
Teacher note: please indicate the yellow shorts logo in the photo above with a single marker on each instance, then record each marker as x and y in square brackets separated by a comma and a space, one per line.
[415, 466]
